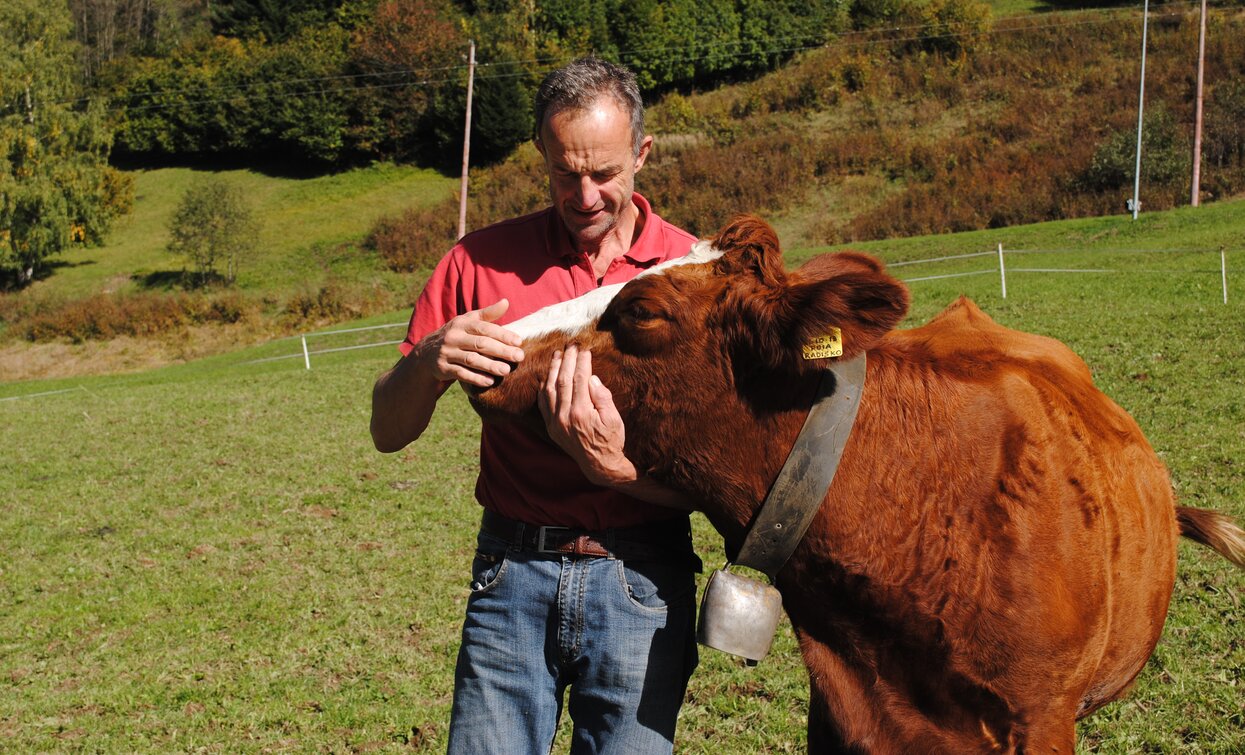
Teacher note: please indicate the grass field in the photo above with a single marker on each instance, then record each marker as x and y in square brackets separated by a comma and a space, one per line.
[295, 212]
[211, 557]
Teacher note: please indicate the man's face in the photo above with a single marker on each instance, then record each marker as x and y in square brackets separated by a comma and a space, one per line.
[592, 168]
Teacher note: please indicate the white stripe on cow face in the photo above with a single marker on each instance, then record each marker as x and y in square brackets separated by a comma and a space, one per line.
[573, 315]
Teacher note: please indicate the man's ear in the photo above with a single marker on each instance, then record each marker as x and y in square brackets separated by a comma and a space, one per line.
[646, 144]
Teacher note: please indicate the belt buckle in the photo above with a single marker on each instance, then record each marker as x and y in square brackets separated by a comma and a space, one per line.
[540, 539]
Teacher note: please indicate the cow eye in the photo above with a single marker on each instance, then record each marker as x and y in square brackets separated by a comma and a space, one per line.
[640, 311]
[640, 324]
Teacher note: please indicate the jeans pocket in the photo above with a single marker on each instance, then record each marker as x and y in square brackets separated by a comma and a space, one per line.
[655, 585]
[487, 569]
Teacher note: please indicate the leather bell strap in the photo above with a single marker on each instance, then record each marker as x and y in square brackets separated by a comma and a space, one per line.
[801, 486]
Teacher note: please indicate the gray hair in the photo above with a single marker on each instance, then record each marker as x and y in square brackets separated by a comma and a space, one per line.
[580, 83]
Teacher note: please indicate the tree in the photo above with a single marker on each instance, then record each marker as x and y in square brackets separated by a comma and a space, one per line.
[501, 107]
[212, 224]
[56, 188]
[400, 56]
[269, 19]
[279, 102]
[107, 30]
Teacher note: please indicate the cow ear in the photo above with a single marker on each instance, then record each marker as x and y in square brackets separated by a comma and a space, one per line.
[750, 246]
[848, 291]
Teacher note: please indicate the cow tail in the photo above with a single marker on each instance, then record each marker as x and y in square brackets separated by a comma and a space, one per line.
[1215, 531]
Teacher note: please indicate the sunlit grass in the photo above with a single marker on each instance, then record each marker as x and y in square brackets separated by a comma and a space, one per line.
[302, 220]
[211, 556]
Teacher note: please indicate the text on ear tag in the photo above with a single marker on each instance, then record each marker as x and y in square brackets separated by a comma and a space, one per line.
[825, 346]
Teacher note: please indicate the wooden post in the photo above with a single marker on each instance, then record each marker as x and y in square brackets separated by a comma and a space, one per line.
[462, 192]
[306, 354]
[1197, 119]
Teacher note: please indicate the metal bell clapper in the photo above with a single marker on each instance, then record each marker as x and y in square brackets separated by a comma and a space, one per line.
[738, 615]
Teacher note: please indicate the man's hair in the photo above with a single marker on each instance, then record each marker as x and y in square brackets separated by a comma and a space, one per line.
[580, 83]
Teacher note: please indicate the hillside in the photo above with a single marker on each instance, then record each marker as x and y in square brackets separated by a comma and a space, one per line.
[929, 130]
[936, 128]
[308, 269]
[1033, 120]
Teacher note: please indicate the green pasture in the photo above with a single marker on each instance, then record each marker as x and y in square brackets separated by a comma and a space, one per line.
[303, 222]
[211, 557]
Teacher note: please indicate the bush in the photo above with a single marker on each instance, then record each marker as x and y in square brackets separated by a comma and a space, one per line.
[1164, 154]
[416, 239]
[700, 187]
[335, 301]
[1223, 145]
[105, 316]
[213, 224]
[949, 27]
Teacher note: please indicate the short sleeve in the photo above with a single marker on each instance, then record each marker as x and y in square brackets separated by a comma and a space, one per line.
[441, 300]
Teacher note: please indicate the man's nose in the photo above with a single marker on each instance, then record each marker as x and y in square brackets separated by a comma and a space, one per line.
[588, 193]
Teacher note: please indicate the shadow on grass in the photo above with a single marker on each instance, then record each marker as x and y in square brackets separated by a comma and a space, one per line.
[270, 165]
[11, 280]
[183, 280]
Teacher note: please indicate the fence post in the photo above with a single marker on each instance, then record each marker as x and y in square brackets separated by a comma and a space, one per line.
[1223, 271]
[1002, 272]
[306, 356]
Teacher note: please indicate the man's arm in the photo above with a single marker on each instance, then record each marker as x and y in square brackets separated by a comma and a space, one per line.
[470, 348]
[581, 418]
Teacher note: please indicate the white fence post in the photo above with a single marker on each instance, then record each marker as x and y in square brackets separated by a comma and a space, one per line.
[1002, 272]
[1223, 271]
[306, 356]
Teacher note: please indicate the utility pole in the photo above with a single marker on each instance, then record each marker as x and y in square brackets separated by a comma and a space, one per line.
[1197, 118]
[462, 192]
[1135, 205]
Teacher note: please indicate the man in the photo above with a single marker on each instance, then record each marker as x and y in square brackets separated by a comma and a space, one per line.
[584, 573]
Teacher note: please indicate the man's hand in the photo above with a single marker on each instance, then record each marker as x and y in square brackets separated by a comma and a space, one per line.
[581, 418]
[471, 348]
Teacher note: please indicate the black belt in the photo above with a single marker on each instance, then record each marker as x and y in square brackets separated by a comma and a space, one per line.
[661, 541]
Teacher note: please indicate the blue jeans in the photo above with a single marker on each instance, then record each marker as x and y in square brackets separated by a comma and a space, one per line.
[620, 634]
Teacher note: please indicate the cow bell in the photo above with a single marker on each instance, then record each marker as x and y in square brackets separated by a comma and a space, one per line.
[739, 615]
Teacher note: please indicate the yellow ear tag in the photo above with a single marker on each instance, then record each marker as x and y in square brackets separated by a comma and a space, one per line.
[823, 347]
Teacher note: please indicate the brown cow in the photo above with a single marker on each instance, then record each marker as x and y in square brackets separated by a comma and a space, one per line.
[996, 555]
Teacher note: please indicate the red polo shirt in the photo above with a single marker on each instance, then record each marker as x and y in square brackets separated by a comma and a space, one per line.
[531, 262]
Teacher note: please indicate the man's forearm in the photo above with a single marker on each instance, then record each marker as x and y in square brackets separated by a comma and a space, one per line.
[403, 401]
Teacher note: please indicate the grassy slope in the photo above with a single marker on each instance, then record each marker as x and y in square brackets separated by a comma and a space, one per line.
[217, 559]
[1207, 228]
[303, 219]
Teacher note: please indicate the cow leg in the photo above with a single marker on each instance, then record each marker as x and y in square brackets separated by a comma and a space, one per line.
[824, 737]
[1056, 735]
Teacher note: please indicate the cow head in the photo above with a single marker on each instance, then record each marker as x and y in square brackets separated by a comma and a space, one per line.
[705, 354]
